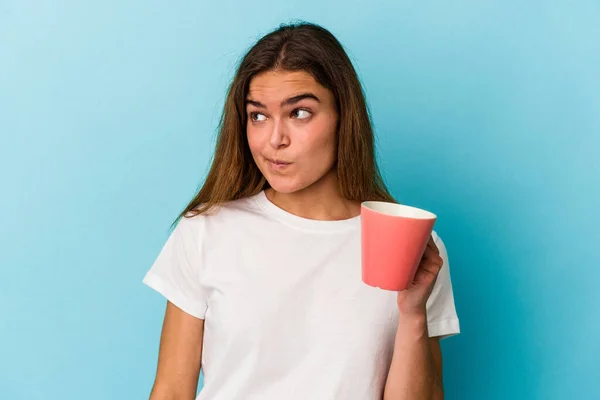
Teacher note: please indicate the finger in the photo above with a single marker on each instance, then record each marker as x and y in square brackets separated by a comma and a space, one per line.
[431, 244]
[430, 241]
[431, 253]
[432, 267]
[432, 257]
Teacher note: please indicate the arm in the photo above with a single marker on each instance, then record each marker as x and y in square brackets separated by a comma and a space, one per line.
[179, 356]
[416, 369]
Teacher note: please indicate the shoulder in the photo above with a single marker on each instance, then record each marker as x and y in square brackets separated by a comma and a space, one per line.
[219, 216]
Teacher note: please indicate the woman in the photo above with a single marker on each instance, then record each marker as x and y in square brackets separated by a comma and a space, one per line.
[262, 272]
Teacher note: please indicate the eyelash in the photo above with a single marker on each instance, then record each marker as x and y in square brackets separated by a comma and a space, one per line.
[253, 114]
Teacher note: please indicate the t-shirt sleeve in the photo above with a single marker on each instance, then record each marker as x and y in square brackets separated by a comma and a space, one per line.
[442, 319]
[176, 273]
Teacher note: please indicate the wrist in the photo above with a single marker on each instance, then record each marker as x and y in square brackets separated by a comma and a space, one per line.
[413, 313]
[412, 326]
[414, 319]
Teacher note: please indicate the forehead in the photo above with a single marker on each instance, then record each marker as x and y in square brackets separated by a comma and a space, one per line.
[278, 85]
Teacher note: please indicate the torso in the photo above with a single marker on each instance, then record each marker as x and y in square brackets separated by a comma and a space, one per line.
[288, 315]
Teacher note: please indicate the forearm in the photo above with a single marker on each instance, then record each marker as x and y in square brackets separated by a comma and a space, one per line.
[168, 392]
[412, 374]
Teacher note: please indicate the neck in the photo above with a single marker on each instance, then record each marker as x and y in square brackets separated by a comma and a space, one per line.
[320, 201]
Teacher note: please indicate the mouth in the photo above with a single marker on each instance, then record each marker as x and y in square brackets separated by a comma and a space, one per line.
[278, 164]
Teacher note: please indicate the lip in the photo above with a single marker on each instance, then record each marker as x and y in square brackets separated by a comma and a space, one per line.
[278, 164]
[277, 161]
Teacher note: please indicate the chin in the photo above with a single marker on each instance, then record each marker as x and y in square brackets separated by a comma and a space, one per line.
[285, 186]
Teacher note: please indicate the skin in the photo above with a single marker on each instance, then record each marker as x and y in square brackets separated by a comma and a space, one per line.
[291, 131]
[302, 133]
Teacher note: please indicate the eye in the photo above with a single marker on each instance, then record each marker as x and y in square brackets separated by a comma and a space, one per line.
[301, 113]
[254, 116]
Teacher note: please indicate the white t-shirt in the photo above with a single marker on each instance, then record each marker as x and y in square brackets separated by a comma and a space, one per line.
[286, 313]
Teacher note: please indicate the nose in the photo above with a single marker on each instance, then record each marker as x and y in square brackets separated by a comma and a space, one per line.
[279, 137]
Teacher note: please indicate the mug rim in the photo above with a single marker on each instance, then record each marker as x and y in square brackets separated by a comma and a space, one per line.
[392, 210]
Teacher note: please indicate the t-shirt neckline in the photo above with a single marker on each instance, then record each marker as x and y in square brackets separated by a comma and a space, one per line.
[305, 223]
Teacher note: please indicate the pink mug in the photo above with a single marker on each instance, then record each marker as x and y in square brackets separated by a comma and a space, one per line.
[394, 238]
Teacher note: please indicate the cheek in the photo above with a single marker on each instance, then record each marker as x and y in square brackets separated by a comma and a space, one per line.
[254, 141]
[323, 146]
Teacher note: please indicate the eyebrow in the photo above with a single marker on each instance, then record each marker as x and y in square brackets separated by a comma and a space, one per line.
[286, 102]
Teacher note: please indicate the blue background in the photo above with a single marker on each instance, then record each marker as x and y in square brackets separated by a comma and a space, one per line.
[487, 113]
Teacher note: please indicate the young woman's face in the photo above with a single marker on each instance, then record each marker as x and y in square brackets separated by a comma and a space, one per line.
[292, 124]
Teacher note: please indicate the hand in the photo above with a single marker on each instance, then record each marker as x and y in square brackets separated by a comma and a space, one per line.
[413, 300]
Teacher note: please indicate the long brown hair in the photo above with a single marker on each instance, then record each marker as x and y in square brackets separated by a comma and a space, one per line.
[299, 46]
